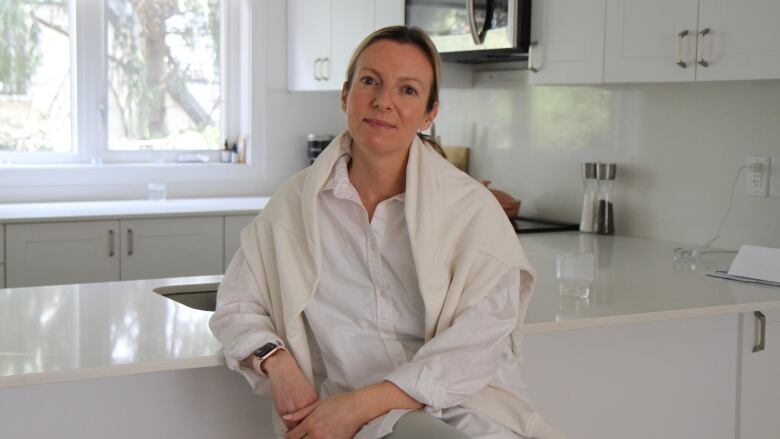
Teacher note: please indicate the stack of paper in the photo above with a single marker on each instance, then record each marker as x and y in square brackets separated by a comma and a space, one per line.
[754, 264]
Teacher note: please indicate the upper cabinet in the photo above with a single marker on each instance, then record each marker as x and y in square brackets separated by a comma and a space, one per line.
[567, 41]
[323, 33]
[659, 41]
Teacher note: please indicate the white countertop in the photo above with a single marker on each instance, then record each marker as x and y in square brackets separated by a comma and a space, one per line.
[61, 333]
[94, 210]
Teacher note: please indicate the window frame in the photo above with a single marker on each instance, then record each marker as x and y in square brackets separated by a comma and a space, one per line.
[89, 94]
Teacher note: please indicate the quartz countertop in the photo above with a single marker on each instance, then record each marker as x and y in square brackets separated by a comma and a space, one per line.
[95, 210]
[69, 332]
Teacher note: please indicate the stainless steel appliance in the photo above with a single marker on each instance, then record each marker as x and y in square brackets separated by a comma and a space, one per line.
[474, 30]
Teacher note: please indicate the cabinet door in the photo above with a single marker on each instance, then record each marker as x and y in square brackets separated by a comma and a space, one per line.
[388, 13]
[2, 257]
[759, 386]
[62, 253]
[352, 20]
[233, 227]
[308, 44]
[171, 247]
[569, 37]
[671, 379]
[743, 40]
[644, 42]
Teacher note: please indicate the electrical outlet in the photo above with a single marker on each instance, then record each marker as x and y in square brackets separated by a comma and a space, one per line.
[774, 177]
[757, 182]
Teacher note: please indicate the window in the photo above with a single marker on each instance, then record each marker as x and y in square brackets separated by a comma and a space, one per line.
[121, 81]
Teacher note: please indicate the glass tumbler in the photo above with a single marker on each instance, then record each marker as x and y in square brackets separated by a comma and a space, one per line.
[575, 273]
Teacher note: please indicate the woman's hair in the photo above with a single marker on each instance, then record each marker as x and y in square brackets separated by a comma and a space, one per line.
[416, 37]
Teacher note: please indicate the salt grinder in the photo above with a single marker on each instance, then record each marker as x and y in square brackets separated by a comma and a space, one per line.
[590, 198]
[605, 218]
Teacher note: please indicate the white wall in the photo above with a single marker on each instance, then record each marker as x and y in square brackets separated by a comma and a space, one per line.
[678, 148]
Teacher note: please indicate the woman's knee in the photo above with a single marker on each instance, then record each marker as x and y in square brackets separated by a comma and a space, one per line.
[420, 425]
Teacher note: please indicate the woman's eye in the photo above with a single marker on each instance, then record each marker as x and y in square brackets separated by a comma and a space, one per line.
[367, 80]
[411, 91]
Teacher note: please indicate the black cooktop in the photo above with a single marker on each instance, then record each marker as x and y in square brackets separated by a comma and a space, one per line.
[534, 225]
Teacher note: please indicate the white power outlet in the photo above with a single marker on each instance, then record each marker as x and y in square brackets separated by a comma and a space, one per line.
[774, 178]
[757, 182]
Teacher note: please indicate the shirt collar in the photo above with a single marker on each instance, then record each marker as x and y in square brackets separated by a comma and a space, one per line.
[338, 181]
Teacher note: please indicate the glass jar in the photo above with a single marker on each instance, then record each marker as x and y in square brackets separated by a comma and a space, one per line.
[589, 198]
[605, 212]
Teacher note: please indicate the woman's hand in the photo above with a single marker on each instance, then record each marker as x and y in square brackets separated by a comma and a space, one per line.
[290, 389]
[336, 417]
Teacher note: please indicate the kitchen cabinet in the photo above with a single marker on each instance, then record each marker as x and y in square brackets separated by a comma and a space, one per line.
[233, 226]
[2, 257]
[171, 247]
[759, 388]
[321, 35]
[687, 40]
[62, 253]
[670, 379]
[568, 38]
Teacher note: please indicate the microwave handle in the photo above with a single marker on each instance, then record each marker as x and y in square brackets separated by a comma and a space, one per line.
[471, 8]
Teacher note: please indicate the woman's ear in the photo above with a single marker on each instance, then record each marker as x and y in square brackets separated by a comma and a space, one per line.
[344, 95]
[429, 117]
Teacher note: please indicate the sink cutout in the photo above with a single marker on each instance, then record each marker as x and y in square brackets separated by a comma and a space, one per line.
[199, 296]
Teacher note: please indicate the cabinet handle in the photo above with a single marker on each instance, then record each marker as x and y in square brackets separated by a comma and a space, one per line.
[678, 53]
[129, 242]
[700, 48]
[317, 69]
[760, 331]
[326, 64]
[111, 243]
[531, 67]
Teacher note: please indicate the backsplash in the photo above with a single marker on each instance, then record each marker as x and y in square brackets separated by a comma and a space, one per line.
[678, 149]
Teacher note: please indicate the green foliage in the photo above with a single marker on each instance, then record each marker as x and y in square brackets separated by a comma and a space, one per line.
[19, 51]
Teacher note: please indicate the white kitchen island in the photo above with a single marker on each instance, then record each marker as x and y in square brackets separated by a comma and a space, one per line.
[655, 351]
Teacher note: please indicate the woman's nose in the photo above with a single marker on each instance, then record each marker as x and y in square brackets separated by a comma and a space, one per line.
[382, 99]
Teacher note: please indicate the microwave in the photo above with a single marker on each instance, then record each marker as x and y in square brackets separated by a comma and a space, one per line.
[474, 30]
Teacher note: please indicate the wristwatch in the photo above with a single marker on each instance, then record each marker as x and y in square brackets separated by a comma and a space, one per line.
[262, 354]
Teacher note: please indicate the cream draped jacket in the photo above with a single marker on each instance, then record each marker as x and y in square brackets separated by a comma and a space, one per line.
[462, 244]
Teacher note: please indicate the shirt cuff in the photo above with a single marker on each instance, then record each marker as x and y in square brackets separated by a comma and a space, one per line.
[417, 381]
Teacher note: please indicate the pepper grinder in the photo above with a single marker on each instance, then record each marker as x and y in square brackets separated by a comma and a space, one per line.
[605, 217]
[589, 200]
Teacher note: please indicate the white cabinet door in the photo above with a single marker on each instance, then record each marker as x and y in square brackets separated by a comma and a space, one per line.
[62, 253]
[388, 13]
[743, 40]
[569, 36]
[172, 247]
[645, 40]
[233, 227]
[671, 379]
[352, 20]
[308, 44]
[759, 384]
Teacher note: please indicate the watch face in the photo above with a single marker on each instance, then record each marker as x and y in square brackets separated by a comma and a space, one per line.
[265, 349]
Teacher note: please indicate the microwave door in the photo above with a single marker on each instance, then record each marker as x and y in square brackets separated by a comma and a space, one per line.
[448, 22]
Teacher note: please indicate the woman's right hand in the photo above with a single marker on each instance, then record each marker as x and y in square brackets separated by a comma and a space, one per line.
[290, 388]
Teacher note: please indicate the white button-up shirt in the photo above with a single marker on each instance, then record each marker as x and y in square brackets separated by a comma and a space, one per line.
[366, 318]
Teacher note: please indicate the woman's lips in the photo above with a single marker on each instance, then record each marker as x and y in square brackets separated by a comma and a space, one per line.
[376, 123]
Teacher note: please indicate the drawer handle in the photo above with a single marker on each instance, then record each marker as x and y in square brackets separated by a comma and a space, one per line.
[111, 243]
[129, 242]
[760, 331]
[531, 67]
[680, 39]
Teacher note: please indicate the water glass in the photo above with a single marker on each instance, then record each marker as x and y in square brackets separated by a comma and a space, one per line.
[575, 273]
[156, 191]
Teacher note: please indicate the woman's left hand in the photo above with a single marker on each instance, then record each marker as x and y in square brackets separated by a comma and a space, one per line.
[336, 417]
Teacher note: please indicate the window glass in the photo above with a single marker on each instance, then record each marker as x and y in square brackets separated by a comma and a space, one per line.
[164, 74]
[35, 83]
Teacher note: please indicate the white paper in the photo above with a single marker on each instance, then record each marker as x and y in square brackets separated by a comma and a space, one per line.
[757, 263]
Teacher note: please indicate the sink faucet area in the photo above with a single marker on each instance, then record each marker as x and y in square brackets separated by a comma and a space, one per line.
[196, 296]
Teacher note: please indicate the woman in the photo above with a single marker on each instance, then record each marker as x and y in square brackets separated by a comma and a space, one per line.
[379, 291]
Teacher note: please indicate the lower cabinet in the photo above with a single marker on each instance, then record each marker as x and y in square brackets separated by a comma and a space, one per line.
[171, 247]
[667, 379]
[759, 386]
[62, 253]
[102, 251]
[233, 226]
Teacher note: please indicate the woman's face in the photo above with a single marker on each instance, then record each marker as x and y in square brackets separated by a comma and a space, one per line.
[386, 102]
